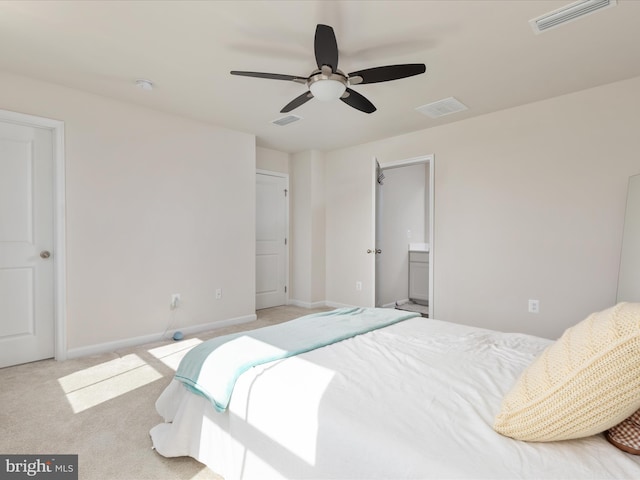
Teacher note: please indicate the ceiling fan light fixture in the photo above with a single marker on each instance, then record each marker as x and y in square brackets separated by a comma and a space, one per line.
[327, 90]
[326, 85]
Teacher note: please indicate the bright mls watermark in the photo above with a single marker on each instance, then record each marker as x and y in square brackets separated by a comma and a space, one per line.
[50, 467]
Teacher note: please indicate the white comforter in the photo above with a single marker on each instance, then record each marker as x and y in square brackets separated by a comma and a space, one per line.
[414, 400]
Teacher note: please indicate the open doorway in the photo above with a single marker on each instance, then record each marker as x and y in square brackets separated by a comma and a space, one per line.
[404, 235]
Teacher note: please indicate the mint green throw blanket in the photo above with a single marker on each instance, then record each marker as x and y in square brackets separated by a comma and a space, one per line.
[212, 368]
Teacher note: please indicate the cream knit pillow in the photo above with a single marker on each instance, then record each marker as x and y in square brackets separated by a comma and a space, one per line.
[583, 384]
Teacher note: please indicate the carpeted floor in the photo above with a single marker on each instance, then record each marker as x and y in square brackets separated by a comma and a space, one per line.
[102, 408]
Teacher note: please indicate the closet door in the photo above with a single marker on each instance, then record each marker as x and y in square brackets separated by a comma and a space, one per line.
[271, 240]
[26, 244]
[629, 279]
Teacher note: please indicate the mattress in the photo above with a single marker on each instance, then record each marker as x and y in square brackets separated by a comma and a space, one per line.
[414, 400]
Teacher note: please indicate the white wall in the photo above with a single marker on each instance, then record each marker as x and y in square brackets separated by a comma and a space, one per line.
[318, 229]
[156, 204]
[307, 264]
[272, 160]
[529, 203]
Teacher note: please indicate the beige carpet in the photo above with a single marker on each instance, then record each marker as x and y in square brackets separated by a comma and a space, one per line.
[102, 408]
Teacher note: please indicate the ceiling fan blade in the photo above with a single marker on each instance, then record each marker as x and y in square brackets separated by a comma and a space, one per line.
[272, 76]
[326, 47]
[357, 101]
[296, 102]
[385, 74]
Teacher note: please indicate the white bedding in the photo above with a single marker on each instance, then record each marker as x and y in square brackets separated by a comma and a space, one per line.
[413, 400]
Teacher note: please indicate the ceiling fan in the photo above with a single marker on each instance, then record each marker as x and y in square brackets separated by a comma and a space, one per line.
[328, 83]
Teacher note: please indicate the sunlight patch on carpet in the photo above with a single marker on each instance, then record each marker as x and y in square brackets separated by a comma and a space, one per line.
[95, 385]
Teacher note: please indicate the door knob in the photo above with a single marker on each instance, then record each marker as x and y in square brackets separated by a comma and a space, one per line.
[376, 251]
[45, 254]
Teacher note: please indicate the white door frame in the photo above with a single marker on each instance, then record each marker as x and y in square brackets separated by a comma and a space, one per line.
[430, 159]
[59, 243]
[286, 219]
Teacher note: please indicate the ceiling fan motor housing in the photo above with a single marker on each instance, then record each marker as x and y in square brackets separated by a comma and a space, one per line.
[326, 85]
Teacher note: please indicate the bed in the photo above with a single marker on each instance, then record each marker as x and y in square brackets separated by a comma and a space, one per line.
[413, 399]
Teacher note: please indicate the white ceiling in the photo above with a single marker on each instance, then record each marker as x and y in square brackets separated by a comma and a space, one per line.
[483, 52]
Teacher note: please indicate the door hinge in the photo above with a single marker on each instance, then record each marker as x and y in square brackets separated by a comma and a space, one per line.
[285, 289]
[285, 240]
[285, 192]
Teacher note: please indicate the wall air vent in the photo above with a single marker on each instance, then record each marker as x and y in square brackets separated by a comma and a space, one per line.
[569, 13]
[443, 107]
[286, 120]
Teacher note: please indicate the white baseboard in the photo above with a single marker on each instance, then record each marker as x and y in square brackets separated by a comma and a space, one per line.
[154, 337]
[339, 305]
[300, 303]
[330, 304]
[324, 303]
[345, 305]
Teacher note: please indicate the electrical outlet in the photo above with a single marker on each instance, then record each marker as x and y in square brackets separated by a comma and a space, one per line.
[175, 300]
[218, 293]
[358, 286]
[534, 306]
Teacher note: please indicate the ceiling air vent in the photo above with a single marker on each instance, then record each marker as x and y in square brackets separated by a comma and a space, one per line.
[569, 13]
[443, 107]
[286, 120]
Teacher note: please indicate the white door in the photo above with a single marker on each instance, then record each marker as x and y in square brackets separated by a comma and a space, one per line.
[629, 276]
[379, 242]
[26, 244]
[271, 240]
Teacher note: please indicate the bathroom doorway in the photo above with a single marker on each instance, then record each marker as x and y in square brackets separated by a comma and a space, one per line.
[404, 235]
